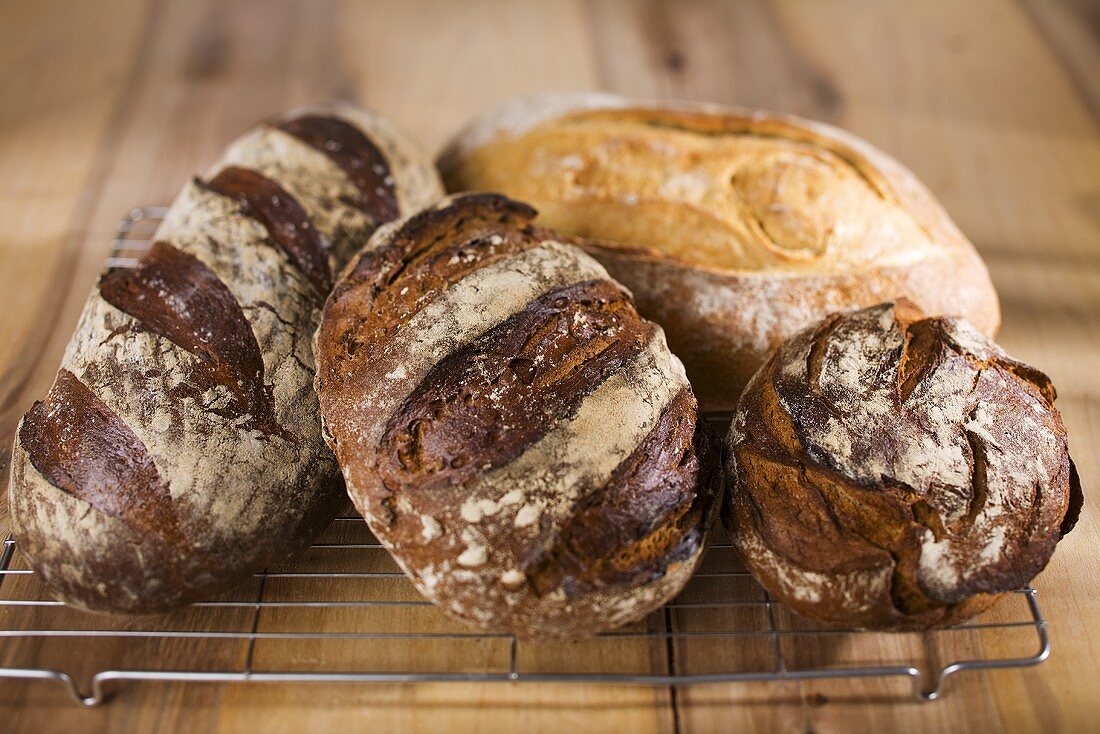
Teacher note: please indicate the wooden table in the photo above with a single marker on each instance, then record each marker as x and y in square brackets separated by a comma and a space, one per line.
[995, 104]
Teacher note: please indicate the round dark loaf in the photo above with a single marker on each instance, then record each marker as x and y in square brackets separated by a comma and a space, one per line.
[180, 448]
[517, 436]
[892, 470]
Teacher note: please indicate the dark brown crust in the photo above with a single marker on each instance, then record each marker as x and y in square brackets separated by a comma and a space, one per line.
[175, 295]
[360, 159]
[485, 403]
[417, 247]
[282, 216]
[431, 251]
[1076, 502]
[847, 523]
[83, 448]
[431, 469]
[654, 510]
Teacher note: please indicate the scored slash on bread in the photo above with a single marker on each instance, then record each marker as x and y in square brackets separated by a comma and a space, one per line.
[516, 435]
[179, 450]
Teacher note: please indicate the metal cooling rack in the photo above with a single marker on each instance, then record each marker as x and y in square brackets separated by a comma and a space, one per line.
[342, 612]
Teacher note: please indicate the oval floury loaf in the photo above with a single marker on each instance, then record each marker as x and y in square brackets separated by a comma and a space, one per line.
[521, 441]
[893, 470]
[733, 228]
[180, 447]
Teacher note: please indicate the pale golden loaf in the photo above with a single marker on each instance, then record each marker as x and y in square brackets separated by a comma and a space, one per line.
[733, 228]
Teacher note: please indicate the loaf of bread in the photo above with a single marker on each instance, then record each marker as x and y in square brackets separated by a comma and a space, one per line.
[892, 470]
[522, 442]
[733, 228]
[180, 448]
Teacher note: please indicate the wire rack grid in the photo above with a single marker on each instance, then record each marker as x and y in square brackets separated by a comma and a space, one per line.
[342, 612]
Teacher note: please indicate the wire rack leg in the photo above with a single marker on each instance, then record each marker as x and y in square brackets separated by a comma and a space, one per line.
[931, 693]
[64, 679]
[777, 643]
[94, 699]
[5, 557]
[255, 626]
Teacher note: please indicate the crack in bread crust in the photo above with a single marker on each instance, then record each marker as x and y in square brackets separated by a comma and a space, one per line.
[504, 390]
[284, 218]
[428, 253]
[650, 514]
[82, 447]
[173, 294]
[359, 158]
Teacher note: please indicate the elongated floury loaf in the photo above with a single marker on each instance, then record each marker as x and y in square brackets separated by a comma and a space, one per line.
[180, 448]
[521, 441]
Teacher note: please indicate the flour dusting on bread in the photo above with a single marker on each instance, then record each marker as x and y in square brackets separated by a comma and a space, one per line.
[924, 461]
[533, 406]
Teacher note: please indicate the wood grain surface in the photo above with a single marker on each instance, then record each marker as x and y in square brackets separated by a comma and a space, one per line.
[994, 103]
